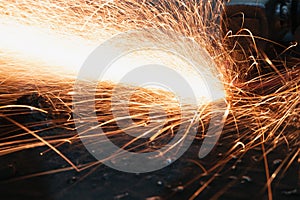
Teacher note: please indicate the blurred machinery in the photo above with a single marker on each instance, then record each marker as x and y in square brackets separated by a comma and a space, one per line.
[275, 20]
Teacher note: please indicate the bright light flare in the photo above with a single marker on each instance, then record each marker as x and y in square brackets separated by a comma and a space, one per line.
[41, 45]
[202, 86]
[65, 54]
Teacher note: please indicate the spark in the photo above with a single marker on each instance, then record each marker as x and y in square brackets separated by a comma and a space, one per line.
[43, 44]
